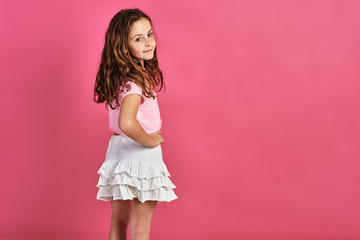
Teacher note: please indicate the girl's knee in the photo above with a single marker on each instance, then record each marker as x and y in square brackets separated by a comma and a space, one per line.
[120, 221]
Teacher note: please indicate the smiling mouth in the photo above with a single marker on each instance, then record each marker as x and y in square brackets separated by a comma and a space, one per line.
[149, 50]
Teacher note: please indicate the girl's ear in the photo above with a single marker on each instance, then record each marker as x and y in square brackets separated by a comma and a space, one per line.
[125, 50]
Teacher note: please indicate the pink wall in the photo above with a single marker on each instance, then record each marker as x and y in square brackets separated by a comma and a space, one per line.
[260, 117]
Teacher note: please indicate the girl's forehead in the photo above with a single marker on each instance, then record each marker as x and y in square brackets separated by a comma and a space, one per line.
[141, 26]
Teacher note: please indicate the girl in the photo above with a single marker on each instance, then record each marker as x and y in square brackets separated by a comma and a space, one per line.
[133, 176]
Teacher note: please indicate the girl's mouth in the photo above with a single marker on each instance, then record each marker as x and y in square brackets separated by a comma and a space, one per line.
[148, 50]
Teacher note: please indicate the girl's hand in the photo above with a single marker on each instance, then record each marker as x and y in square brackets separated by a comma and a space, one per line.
[158, 139]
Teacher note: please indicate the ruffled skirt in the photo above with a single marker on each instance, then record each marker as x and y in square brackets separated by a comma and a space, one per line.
[131, 170]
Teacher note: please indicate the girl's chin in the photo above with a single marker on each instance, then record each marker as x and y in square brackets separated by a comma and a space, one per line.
[149, 58]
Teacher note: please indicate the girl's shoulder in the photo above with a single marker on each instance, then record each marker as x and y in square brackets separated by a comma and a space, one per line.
[134, 89]
[131, 83]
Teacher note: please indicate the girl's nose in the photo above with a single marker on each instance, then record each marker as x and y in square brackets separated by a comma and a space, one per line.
[148, 42]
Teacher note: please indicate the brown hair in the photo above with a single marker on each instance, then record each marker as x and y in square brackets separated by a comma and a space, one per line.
[117, 65]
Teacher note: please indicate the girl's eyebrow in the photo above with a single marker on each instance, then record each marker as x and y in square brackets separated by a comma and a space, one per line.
[140, 34]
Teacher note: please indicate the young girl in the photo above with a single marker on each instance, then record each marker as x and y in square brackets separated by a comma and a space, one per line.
[133, 176]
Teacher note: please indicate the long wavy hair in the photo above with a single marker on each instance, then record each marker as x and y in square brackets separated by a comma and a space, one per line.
[117, 66]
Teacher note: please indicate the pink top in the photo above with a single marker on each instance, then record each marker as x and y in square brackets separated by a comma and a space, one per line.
[148, 114]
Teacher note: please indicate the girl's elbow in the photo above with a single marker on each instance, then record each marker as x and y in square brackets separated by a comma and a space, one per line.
[125, 125]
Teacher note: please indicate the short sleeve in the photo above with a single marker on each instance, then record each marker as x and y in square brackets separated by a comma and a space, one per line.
[134, 89]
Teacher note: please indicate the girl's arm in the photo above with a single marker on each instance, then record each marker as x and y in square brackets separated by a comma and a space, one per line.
[131, 127]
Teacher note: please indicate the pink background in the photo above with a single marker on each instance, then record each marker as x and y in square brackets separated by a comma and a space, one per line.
[260, 117]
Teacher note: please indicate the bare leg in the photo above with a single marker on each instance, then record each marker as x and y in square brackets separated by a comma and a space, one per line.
[121, 210]
[140, 219]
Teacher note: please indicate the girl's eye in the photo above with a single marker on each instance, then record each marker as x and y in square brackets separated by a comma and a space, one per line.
[138, 39]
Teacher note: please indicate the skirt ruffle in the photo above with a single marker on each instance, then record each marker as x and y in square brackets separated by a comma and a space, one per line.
[131, 170]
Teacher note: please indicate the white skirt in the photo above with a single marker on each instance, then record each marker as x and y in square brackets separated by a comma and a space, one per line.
[131, 170]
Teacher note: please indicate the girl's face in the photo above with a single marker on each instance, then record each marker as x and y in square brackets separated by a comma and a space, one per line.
[141, 40]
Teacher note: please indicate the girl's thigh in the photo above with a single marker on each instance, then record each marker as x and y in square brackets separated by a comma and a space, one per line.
[121, 210]
[141, 215]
